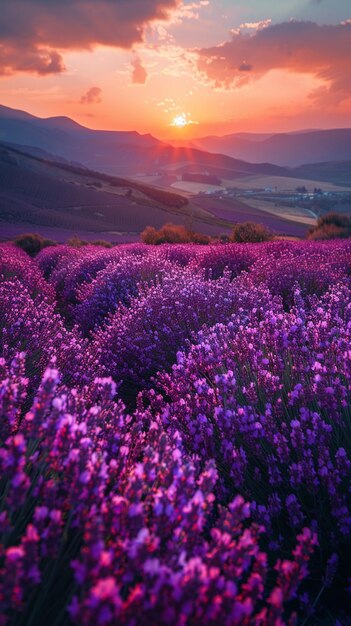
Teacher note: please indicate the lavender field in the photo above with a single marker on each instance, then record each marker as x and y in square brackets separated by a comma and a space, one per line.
[176, 435]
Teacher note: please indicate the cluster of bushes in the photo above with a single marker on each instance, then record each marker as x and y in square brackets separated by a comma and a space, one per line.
[246, 232]
[32, 243]
[172, 233]
[331, 226]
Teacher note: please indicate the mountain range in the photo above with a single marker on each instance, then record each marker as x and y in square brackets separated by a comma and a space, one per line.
[112, 152]
[283, 149]
[63, 137]
[129, 152]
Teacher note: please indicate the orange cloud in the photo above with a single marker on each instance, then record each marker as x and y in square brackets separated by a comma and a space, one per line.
[34, 32]
[30, 59]
[296, 46]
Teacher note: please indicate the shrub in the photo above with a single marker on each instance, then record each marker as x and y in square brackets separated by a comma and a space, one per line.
[32, 243]
[49, 243]
[172, 233]
[199, 238]
[165, 317]
[335, 219]
[331, 226]
[149, 235]
[250, 232]
[224, 238]
[114, 284]
[329, 232]
[216, 259]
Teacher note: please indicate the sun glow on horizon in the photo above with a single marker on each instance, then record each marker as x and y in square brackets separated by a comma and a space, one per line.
[179, 121]
[182, 120]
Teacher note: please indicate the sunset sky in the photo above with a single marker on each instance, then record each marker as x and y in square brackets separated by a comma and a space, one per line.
[179, 68]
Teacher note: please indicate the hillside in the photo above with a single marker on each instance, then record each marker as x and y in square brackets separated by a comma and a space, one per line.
[63, 137]
[283, 149]
[38, 193]
[337, 172]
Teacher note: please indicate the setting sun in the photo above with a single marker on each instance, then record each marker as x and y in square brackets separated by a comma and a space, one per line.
[182, 120]
[179, 121]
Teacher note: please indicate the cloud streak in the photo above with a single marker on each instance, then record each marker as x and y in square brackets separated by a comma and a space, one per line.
[33, 33]
[296, 46]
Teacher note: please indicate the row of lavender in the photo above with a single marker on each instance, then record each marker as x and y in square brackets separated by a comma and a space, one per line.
[221, 494]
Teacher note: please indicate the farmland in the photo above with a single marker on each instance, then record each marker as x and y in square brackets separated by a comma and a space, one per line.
[175, 434]
[241, 209]
[283, 184]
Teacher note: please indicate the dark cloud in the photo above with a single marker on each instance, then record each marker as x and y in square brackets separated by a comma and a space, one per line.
[33, 33]
[29, 59]
[139, 73]
[303, 47]
[92, 96]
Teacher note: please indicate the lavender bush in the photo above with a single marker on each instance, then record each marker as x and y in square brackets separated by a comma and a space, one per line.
[116, 284]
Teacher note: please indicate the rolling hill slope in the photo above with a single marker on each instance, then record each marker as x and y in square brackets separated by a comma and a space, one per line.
[38, 193]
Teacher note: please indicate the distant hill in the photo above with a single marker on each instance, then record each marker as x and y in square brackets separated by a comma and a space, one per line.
[63, 137]
[115, 152]
[283, 149]
[128, 153]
